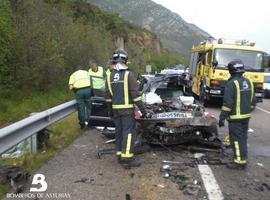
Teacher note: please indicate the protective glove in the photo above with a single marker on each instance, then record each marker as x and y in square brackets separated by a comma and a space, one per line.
[223, 115]
[221, 122]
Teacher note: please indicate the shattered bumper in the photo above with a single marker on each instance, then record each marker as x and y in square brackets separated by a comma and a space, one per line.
[177, 131]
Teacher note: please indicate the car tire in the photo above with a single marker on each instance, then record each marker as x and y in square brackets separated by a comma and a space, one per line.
[108, 134]
[202, 97]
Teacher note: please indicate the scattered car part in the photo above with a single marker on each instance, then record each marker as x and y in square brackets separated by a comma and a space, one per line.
[165, 168]
[201, 161]
[109, 141]
[14, 175]
[101, 152]
[166, 175]
[85, 180]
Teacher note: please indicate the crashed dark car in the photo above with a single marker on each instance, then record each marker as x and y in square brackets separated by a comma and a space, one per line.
[174, 117]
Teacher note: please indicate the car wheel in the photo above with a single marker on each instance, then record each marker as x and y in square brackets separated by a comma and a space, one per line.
[202, 97]
[108, 133]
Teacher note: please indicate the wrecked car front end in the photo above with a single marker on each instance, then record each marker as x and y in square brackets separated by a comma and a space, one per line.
[173, 117]
[172, 122]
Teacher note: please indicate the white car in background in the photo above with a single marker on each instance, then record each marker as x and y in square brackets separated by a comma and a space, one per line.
[266, 85]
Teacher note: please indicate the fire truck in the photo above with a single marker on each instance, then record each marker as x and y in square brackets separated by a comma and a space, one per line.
[209, 72]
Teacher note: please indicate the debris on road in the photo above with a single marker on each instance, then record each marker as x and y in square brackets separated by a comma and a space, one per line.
[260, 164]
[101, 152]
[15, 176]
[128, 197]
[160, 186]
[266, 186]
[187, 184]
[165, 168]
[250, 130]
[85, 180]
[109, 141]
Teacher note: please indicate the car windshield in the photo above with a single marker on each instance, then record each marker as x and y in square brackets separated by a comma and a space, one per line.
[180, 67]
[166, 89]
[252, 60]
[267, 79]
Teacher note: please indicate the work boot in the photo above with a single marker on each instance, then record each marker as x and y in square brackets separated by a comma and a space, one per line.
[82, 126]
[129, 163]
[236, 166]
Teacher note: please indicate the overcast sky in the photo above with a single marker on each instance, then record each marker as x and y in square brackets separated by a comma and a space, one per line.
[232, 19]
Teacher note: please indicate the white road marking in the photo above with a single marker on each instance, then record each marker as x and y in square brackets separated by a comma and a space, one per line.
[212, 188]
[262, 109]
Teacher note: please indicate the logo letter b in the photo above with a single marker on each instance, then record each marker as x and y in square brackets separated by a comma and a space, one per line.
[39, 179]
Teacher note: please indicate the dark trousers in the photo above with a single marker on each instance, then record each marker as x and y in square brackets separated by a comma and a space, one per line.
[238, 131]
[83, 98]
[125, 129]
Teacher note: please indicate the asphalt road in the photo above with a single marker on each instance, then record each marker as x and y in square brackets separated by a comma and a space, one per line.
[254, 182]
[76, 172]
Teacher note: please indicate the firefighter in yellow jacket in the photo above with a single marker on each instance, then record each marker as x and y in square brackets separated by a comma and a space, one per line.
[121, 93]
[238, 95]
[79, 82]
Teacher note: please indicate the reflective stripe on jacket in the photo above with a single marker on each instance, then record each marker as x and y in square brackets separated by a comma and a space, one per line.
[119, 89]
[238, 96]
[97, 78]
[79, 79]
[108, 72]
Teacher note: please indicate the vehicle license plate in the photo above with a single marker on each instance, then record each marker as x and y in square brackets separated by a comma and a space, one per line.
[173, 115]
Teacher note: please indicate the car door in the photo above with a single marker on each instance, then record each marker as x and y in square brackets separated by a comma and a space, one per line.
[99, 111]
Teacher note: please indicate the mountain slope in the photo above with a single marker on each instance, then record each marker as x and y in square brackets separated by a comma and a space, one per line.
[176, 34]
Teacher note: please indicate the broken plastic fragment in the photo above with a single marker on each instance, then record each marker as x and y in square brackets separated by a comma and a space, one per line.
[187, 101]
[260, 164]
[250, 130]
[151, 98]
[160, 186]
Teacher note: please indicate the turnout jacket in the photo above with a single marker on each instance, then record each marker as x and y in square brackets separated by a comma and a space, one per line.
[238, 95]
[121, 90]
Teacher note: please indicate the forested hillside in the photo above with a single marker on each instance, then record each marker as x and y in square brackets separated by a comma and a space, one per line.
[43, 41]
[175, 33]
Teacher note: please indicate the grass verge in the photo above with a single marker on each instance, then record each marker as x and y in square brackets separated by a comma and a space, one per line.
[19, 104]
[63, 134]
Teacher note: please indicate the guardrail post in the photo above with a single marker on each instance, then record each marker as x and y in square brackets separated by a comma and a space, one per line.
[15, 133]
[33, 140]
[33, 144]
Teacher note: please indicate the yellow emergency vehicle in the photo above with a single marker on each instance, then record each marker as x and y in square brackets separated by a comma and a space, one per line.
[208, 67]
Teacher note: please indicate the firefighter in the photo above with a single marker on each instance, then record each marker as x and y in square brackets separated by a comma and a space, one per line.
[97, 78]
[121, 93]
[79, 83]
[238, 95]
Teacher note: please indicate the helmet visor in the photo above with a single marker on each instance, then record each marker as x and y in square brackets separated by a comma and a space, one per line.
[120, 55]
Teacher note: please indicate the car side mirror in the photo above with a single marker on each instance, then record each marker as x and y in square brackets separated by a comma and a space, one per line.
[203, 61]
[187, 70]
[215, 63]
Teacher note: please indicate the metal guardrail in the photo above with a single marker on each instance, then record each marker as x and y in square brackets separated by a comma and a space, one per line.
[15, 133]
